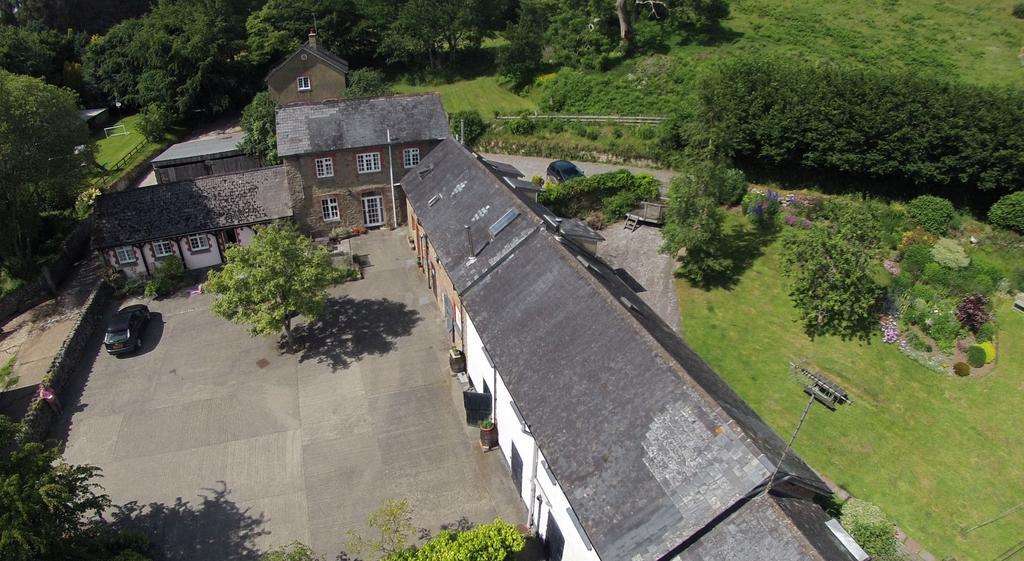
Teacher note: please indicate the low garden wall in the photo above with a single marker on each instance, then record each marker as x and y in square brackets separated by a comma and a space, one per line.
[40, 417]
[45, 285]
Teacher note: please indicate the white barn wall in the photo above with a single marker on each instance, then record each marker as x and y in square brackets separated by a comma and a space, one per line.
[510, 432]
[206, 258]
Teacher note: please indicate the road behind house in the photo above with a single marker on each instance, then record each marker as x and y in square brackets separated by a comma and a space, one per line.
[531, 166]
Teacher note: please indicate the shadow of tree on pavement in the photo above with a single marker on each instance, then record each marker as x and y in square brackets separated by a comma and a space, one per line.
[214, 529]
[349, 329]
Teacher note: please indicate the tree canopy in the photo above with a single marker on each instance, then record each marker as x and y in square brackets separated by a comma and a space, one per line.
[41, 167]
[260, 126]
[266, 284]
[693, 221]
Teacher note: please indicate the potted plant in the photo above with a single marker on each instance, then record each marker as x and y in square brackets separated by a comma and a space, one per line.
[456, 360]
[488, 434]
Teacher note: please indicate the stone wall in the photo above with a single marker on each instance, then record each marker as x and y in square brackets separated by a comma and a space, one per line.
[45, 286]
[40, 417]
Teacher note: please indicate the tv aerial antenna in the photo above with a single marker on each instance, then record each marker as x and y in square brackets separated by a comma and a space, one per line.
[818, 388]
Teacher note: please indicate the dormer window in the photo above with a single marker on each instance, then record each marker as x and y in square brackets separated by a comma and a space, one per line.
[304, 84]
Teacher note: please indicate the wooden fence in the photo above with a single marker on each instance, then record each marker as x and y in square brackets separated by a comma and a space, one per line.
[119, 165]
[633, 120]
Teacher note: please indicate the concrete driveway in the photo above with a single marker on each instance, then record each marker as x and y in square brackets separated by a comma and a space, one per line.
[219, 446]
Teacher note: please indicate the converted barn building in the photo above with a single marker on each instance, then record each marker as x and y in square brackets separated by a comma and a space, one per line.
[622, 442]
[197, 158]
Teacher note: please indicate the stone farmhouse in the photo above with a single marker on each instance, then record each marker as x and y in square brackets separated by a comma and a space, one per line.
[623, 443]
[310, 74]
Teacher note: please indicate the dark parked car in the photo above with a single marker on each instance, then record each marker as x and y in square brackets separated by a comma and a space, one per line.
[124, 334]
[560, 171]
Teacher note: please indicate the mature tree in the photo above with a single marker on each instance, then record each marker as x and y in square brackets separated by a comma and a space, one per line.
[522, 58]
[43, 500]
[684, 14]
[280, 26]
[434, 29]
[184, 55]
[830, 268]
[693, 222]
[367, 82]
[41, 167]
[266, 284]
[260, 126]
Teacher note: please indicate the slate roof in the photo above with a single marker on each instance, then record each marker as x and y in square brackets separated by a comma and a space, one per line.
[198, 150]
[196, 205]
[651, 448]
[328, 58]
[358, 122]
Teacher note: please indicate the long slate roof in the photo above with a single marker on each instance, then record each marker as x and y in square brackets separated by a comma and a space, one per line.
[359, 122]
[653, 451]
[195, 205]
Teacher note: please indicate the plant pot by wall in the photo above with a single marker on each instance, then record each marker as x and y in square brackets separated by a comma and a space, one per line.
[457, 361]
[489, 438]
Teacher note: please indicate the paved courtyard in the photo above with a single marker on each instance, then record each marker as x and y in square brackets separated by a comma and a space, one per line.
[219, 445]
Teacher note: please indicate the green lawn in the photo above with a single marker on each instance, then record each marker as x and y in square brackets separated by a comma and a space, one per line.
[108, 151]
[485, 95]
[937, 453]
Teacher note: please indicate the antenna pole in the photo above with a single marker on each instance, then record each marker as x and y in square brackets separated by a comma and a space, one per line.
[789, 445]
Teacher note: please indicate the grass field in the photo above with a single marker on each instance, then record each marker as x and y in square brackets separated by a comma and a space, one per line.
[937, 453]
[108, 151]
[484, 95]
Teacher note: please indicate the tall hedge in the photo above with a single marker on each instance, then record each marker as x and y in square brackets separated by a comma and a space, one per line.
[614, 194]
[871, 124]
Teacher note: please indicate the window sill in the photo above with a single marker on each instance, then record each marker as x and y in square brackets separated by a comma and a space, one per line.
[369, 172]
[127, 264]
[305, 90]
[325, 177]
[332, 219]
[164, 256]
[198, 251]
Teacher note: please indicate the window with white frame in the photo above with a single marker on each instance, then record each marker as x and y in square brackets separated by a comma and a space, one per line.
[162, 248]
[198, 242]
[411, 157]
[368, 163]
[325, 167]
[304, 85]
[330, 209]
[126, 255]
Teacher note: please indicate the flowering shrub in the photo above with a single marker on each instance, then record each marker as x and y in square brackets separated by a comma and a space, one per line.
[890, 331]
[891, 266]
[972, 312]
[762, 207]
[917, 236]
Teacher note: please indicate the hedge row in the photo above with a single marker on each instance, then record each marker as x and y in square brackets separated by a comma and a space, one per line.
[865, 123]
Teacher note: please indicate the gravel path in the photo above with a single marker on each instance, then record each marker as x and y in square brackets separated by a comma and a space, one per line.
[637, 254]
[531, 166]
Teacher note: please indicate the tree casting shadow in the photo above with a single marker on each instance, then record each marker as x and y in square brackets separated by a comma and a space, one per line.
[349, 329]
[743, 246]
[215, 529]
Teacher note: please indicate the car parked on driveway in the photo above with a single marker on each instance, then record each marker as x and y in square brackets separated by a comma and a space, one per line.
[560, 171]
[124, 333]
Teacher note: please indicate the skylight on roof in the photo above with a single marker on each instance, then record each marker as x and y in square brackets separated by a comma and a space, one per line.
[502, 222]
[433, 200]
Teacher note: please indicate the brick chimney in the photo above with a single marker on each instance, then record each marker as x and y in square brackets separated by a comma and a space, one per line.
[312, 38]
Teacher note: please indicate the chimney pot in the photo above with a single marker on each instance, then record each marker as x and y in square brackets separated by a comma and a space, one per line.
[312, 38]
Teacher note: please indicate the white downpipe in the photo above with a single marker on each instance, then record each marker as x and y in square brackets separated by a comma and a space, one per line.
[391, 174]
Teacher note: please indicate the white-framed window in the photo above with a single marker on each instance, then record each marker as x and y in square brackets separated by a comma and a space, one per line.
[368, 162]
[304, 84]
[325, 167]
[126, 255]
[198, 242]
[329, 206]
[162, 248]
[411, 157]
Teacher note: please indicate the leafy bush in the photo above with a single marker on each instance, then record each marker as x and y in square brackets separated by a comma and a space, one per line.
[923, 292]
[934, 214]
[987, 332]
[167, 277]
[496, 541]
[976, 356]
[763, 208]
[917, 236]
[260, 126]
[870, 527]
[990, 351]
[936, 274]
[944, 328]
[1018, 10]
[915, 258]
[614, 194]
[972, 312]
[367, 82]
[917, 343]
[962, 369]
[951, 254]
[901, 283]
[1008, 212]
[521, 126]
[470, 123]
[154, 121]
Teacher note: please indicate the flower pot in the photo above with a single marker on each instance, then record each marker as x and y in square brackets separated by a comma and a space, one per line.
[489, 438]
[457, 361]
